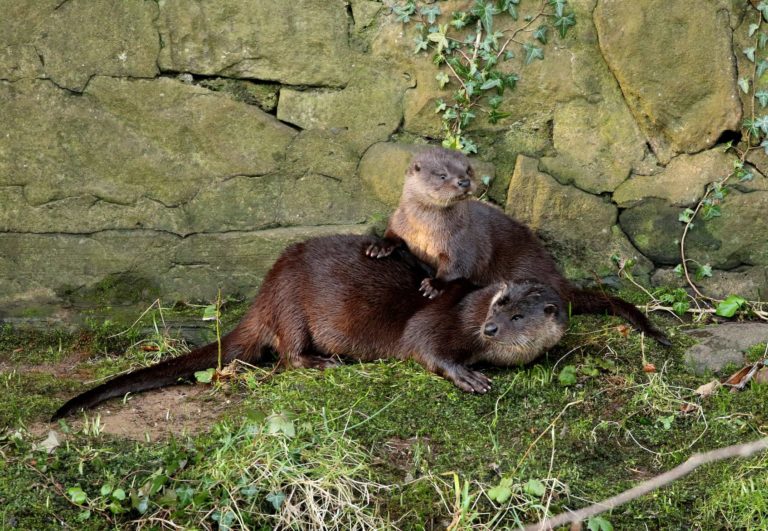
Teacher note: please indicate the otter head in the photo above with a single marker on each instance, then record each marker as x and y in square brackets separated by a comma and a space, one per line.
[524, 319]
[440, 177]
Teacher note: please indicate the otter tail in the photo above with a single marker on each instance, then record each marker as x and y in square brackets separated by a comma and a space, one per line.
[165, 373]
[584, 301]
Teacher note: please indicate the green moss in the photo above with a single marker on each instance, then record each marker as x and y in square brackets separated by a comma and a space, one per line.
[114, 289]
[615, 426]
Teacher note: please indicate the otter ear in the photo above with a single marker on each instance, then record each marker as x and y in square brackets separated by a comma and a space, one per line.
[550, 309]
[416, 166]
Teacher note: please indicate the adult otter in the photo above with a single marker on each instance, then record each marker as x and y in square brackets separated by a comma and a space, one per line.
[324, 298]
[462, 237]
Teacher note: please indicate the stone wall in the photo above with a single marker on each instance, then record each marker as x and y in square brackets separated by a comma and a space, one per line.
[169, 148]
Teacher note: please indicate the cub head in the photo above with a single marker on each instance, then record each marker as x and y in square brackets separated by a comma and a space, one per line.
[440, 177]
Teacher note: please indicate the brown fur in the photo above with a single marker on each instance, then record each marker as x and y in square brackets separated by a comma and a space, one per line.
[323, 298]
[462, 237]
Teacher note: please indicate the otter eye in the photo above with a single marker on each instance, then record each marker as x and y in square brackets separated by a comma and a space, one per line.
[516, 317]
[442, 176]
[550, 309]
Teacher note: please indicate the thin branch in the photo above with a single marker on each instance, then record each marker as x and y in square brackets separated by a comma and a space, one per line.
[695, 461]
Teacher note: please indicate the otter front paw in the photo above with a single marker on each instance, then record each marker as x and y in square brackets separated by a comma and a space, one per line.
[429, 287]
[468, 380]
[380, 249]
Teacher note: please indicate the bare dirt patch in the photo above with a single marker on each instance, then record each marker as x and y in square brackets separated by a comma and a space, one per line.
[155, 415]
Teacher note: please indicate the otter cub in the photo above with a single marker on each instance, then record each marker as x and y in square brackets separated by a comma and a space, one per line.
[462, 237]
[323, 298]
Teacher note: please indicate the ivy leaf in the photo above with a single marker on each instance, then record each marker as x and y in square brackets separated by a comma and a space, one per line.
[532, 52]
[559, 5]
[762, 124]
[210, 313]
[511, 81]
[486, 180]
[431, 13]
[77, 495]
[753, 28]
[404, 13]
[745, 175]
[494, 116]
[563, 23]
[440, 106]
[205, 376]
[467, 146]
[750, 53]
[276, 499]
[567, 376]
[501, 492]
[495, 102]
[281, 423]
[751, 128]
[730, 306]
[491, 83]
[421, 44]
[764, 145]
[598, 523]
[510, 6]
[762, 66]
[534, 487]
[762, 40]
[442, 80]
[703, 271]
[762, 97]
[459, 19]
[680, 307]
[485, 11]
[678, 270]
[744, 82]
[541, 34]
[439, 38]
[710, 211]
[685, 216]
[763, 8]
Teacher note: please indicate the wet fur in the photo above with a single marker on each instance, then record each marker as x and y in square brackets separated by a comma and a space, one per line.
[323, 298]
[463, 237]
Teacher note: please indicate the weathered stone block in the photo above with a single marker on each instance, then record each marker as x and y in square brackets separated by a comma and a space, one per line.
[303, 42]
[682, 183]
[597, 145]
[126, 152]
[682, 94]
[577, 226]
[78, 39]
[366, 111]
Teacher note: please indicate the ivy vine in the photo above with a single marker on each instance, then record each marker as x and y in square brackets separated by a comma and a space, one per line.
[471, 47]
[754, 136]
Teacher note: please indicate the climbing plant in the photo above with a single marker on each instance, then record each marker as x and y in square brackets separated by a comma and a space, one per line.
[754, 135]
[473, 47]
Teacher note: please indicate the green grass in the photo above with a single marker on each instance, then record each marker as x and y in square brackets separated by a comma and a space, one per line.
[386, 444]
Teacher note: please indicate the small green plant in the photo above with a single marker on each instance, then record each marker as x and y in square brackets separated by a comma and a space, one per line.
[212, 312]
[475, 45]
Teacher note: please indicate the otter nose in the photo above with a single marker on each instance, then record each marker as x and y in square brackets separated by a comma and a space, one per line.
[490, 329]
[464, 183]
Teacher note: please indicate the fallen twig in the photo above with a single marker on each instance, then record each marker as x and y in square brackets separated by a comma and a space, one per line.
[693, 462]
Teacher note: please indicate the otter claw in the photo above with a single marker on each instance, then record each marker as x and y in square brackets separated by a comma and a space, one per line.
[428, 289]
[470, 381]
[379, 251]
